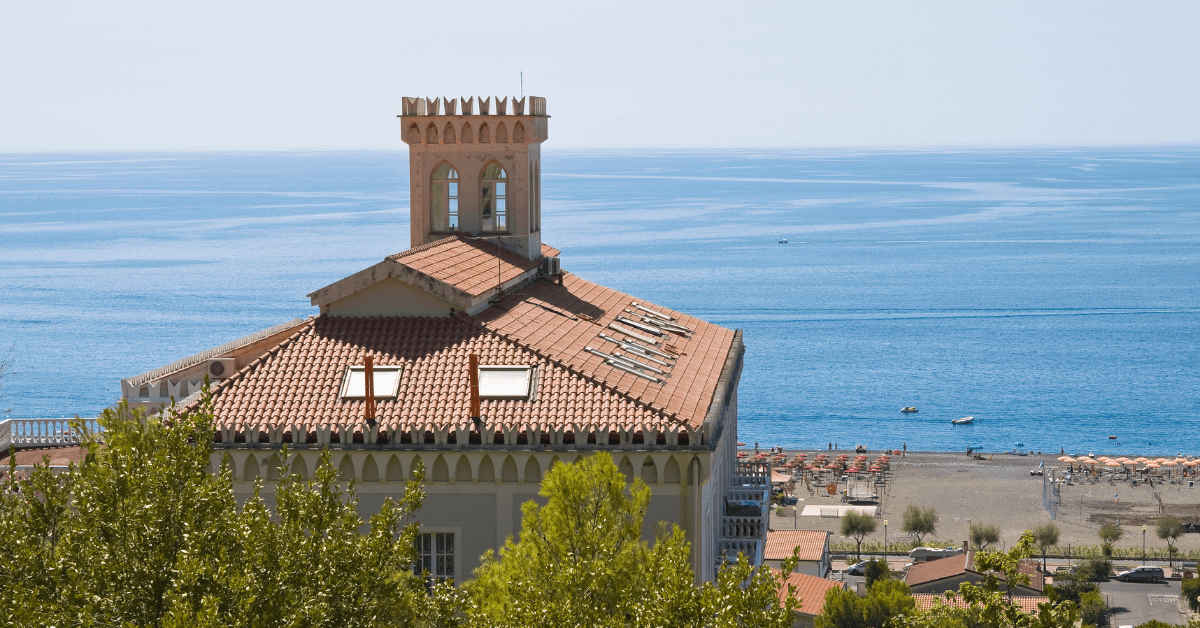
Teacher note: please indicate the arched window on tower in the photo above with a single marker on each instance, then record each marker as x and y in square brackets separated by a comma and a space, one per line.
[493, 199]
[443, 198]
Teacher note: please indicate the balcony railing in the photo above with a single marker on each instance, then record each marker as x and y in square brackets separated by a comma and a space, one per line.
[30, 433]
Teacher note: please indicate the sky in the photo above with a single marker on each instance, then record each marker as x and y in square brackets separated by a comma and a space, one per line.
[132, 75]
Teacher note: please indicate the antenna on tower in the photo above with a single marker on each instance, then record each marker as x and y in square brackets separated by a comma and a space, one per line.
[522, 84]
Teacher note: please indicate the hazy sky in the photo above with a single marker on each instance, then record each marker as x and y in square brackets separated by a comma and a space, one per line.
[297, 75]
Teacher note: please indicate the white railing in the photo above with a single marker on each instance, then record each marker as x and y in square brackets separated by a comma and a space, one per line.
[29, 433]
[743, 528]
[728, 550]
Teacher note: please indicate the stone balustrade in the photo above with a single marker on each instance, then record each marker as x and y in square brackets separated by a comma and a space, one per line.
[31, 433]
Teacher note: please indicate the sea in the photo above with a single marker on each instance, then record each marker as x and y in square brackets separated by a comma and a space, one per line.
[1052, 294]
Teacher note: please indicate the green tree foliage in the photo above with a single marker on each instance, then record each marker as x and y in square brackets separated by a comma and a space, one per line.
[887, 603]
[1092, 608]
[857, 525]
[984, 534]
[1046, 536]
[1154, 623]
[1191, 592]
[143, 533]
[920, 522]
[6, 364]
[1168, 528]
[580, 561]
[877, 570]
[1109, 534]
[1094, 569]
[1072, 587]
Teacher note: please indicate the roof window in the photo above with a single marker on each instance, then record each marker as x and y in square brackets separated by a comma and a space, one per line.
[386, 380]
[504, 382]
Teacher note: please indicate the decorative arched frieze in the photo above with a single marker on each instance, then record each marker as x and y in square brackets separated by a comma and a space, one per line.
[487, 470]
[273, 468]
[299, 467]
[346, 469]
[431, 134]
[448, 136]
[462, 470]
[370, 470]
[533, 471]
[671, 471]
[501, 134]
[250, 468]
[626, 468]
[519, 132]
[395, 470]
[441, 470]
[508, 472]
[485, 134]
[468, 134]
[649, 471]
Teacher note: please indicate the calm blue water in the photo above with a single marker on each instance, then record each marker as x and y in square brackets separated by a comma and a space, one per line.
[1054, 295]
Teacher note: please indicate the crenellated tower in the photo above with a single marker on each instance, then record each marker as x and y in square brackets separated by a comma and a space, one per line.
[475, 169]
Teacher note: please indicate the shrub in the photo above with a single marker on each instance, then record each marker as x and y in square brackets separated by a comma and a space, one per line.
[1191, 591]
[877, 570]
[1092, 608]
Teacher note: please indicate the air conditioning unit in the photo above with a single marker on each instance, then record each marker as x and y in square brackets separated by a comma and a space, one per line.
[220, 368]
[551, 266]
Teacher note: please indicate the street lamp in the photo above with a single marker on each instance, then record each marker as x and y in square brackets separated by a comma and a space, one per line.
[1143, 545]
[885, 539]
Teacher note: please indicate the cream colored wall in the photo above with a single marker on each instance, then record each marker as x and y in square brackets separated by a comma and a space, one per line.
[476, 494]
[390, 297]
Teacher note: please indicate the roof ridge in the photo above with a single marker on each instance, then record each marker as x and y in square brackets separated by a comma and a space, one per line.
[576, 371]
[197, 358]
[424, 247]
[246, 370]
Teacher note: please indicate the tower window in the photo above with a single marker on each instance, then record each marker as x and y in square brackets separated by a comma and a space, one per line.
[443, 198]
[493, 199]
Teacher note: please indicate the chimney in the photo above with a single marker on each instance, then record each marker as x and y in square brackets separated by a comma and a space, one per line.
[369, 388]
[474, 375]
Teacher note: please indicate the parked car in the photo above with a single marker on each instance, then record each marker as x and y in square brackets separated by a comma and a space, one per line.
[1141, 574]
[857, 569]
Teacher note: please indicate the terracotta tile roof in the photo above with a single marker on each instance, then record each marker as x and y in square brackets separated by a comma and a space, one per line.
[931, 570]
[471, 265]
[299, 382]
[549, 251]
[926, 601]
[950, 566]
[569, 329]
[780, 544]
[810, 590]
[564, 321]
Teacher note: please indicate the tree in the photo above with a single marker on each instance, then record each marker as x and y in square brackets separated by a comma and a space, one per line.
[1046, 536]
[143, 532]
[887, 603]
[6, 364]
[1168, 528]
[877, 570]
[984, 534]
[1191, 592]
[919, 522]
[1109, 533]
[580, 561]
[857, 525]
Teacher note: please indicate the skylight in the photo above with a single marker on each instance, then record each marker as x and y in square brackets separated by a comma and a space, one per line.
[386, 379]
[504, 382]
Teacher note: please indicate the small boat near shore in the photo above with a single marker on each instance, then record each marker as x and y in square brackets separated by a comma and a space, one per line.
[967, 420]
[908, 409]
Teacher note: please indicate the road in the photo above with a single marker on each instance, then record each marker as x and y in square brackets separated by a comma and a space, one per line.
[1134, 603]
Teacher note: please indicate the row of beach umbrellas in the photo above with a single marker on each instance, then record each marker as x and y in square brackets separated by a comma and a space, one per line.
[1151, 464]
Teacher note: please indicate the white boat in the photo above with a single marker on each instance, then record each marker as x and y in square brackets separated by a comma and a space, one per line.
[783, 241]
[967, 420]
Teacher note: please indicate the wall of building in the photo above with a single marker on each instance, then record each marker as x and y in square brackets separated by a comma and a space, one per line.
[390, 297]
[475, 494]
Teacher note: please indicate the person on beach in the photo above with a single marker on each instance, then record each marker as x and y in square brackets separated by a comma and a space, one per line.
[905, 449]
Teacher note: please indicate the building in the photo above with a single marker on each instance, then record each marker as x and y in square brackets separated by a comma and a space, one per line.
[811, 548]
[810, 592]
[945, 574]
[476, 355]
[926, 601]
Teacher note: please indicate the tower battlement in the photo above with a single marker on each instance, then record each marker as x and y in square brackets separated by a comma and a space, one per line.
[481, 120]
[418, 106]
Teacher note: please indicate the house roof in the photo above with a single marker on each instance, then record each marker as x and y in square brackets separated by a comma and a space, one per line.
[932, 570]
[926, 601]
[951, 566]
[578, 334]
[810, 544]
[810, 590]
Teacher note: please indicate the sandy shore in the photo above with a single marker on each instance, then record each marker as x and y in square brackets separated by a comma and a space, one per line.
[1002, 492]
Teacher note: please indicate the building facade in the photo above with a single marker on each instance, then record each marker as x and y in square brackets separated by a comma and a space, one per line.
[474, 354]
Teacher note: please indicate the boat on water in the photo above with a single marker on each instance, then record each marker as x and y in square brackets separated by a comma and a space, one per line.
[784, 241]
[967, 420]
[907, 409]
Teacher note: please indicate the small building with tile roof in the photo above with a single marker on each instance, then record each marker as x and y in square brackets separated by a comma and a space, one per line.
[945, 574]
[810, 592]
[475, 355]
[811, 548]
[1027, 603]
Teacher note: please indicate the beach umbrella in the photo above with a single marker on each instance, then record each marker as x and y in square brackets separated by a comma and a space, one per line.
[741, 444]
[1112, 463]
[1152, 465]
[1160, 460]
[1130, 463]
[1067, 459]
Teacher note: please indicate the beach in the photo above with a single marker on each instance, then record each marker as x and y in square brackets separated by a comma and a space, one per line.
[1001, 491]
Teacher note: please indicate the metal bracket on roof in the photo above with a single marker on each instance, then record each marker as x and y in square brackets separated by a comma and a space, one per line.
[628, 364]
[636, 325]
[631, 334]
